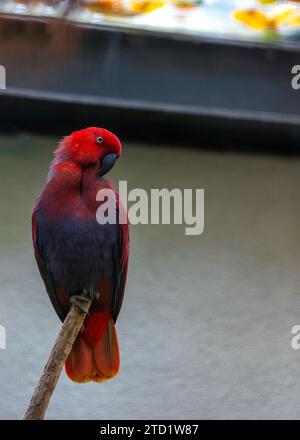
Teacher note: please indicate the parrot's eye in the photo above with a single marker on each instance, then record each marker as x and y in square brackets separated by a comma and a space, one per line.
[99, 140]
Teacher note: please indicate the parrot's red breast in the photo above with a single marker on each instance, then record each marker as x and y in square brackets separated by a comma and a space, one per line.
[74, 252]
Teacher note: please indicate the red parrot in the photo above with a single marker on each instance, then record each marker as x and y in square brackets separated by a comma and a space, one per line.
[76, 254]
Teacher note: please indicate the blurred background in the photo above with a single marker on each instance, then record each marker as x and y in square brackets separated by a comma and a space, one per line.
[200, 94]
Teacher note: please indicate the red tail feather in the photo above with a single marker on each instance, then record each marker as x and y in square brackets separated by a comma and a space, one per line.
[95, 355]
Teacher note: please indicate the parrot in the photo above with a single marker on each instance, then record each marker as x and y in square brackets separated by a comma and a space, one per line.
[79, 257]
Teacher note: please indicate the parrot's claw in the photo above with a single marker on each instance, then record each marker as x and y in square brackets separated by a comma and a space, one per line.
[87, 295]
[91, 293]
[76, 300]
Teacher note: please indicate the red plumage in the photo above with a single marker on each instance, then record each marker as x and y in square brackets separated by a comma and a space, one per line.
[74, 252]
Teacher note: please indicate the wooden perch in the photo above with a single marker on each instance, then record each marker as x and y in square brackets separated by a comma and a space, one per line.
[60, 351]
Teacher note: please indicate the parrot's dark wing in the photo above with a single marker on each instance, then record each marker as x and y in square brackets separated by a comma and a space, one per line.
[45, 273]
[121, 264]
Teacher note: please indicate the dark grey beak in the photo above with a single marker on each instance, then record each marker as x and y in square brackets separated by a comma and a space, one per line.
[107, 163]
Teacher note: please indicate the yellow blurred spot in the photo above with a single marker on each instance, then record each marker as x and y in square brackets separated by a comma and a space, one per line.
[146, 6]
[260, 21]
[255, 19]
[266, 2]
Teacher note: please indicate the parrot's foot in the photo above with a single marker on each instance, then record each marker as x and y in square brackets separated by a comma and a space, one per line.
[91, 293]
[77, 301]
[86, 296]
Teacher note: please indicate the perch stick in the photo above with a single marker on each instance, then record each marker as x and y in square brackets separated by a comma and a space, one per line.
[59, 353]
